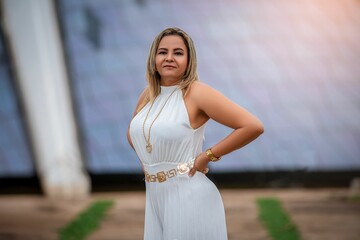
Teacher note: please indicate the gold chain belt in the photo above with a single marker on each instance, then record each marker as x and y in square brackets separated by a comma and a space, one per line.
[162, 176]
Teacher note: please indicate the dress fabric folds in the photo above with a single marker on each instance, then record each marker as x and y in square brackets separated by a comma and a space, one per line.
[181, 207]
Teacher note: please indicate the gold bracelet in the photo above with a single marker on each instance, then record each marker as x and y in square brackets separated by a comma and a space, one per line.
[211, 156]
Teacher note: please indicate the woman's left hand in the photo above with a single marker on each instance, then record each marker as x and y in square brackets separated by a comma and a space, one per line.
[200, 164]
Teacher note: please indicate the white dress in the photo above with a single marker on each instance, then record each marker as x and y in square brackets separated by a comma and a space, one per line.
[179, 207]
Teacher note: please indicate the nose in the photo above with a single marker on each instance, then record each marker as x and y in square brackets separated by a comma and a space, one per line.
[169, 57]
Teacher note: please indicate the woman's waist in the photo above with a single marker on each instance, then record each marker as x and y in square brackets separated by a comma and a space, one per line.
[160, 172]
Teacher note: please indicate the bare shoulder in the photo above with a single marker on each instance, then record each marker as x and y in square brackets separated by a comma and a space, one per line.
[199, 86]
[199, 90]
[143, 95]
[141, 99]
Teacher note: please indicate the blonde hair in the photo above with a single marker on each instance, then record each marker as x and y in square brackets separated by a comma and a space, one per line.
[152, 75]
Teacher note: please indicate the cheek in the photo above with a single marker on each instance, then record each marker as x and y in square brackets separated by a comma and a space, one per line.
[185, 61]
[184, 64]
[157, 63]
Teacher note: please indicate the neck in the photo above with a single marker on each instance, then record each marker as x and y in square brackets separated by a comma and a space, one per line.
[168, 83]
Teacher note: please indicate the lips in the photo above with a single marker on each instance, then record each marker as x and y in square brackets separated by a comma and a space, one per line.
[169, 66]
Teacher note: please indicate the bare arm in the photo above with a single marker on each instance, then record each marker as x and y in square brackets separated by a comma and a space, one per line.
[212, 104]
[141, 98]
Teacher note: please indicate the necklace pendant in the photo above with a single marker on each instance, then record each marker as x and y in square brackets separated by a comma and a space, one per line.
[149, 147]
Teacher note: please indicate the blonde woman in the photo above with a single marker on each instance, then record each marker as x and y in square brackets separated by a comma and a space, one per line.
[167, 132]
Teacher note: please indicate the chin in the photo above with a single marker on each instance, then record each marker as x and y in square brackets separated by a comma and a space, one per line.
[173, 79]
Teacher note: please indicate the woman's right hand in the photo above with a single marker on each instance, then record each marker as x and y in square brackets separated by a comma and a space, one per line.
[200, 164]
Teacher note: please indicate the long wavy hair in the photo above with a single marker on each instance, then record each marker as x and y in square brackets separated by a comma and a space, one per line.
[152, 75]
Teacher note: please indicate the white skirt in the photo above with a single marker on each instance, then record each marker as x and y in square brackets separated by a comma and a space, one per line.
[183, 207]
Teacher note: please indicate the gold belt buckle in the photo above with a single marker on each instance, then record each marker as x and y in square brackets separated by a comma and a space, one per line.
[161, 176]
[184, 167]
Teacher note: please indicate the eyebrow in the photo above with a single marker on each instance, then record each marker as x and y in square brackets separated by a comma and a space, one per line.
[176, 49]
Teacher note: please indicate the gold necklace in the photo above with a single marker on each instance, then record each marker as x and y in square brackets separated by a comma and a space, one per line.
[147, 140]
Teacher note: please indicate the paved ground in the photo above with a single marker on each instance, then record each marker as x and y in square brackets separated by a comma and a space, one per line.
[320, 214]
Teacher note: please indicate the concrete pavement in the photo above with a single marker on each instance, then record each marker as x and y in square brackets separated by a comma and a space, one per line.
[319, 214]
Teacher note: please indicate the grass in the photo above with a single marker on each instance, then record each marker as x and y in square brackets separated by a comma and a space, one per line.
[276, 220]
[86, 222]
[355, 198]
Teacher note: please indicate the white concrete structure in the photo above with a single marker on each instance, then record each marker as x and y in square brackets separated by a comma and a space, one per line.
[32, 28]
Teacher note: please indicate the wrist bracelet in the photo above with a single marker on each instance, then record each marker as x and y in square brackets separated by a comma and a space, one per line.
[211, 156]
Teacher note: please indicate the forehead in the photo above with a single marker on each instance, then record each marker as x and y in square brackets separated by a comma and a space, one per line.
[172, 41]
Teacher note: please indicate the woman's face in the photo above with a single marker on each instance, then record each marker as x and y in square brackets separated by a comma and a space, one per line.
[171, 59]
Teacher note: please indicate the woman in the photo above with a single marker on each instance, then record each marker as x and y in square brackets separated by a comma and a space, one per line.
[167, 133]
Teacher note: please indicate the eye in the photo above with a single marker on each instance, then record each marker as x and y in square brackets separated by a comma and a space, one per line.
[179, 53]
[161, 52]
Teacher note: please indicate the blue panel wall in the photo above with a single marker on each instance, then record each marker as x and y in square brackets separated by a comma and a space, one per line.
[15, 158]
[293, 64]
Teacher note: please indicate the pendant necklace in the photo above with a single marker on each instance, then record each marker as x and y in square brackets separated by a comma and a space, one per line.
[147, 139]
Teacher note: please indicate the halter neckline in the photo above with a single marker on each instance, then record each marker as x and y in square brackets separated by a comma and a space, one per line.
[167, 89]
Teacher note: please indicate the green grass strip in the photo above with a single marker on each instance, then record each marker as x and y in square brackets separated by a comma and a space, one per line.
[86, 222]
[355, 198]
[276, 220]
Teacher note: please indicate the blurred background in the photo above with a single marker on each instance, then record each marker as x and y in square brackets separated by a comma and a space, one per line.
[71, 72]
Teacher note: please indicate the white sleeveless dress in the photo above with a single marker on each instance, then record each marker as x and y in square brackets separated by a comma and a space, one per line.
[178, 207]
